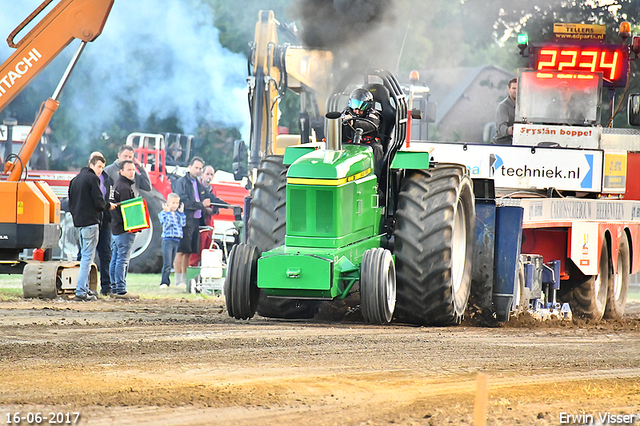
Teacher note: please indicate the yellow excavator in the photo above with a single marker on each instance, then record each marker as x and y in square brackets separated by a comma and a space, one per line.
[30, 216]
[275, 68]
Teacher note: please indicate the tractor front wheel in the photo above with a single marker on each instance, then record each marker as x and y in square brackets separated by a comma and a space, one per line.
[377, 286]
[240, 288]
[434, 238]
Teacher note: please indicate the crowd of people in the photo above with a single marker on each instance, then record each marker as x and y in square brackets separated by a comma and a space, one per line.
[95, 196]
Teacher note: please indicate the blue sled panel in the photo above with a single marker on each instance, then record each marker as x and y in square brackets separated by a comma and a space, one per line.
[508, 242]
[483, 256]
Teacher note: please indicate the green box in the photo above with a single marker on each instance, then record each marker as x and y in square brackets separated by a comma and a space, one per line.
[135, 214]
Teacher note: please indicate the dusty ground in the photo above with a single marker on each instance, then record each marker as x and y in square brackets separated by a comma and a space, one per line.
[184, 362]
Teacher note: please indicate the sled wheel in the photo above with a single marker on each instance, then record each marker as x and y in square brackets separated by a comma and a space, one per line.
[377, 286]
[619, 283]
[589, 297]
[240, 287]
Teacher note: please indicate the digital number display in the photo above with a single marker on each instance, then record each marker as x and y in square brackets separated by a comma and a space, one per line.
[611, 60]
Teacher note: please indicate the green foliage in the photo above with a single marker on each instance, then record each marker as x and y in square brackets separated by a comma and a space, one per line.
[214, 143]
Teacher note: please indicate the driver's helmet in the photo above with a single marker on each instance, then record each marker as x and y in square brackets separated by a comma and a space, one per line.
[361, 101]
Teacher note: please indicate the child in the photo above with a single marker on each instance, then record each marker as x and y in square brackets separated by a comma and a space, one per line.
[172, 218]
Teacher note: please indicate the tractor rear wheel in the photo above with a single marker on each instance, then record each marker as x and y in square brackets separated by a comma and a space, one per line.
[377, 286]
[588, 298]
[266, 230]
[619, 283]
[240, 289]
[434, 238]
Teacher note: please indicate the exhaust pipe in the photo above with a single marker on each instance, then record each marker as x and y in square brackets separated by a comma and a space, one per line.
[334, 130]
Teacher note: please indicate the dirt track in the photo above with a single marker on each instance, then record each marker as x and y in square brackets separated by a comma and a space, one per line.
[179, 362]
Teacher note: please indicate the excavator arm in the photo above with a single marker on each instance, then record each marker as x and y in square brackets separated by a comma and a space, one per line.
[68, 20]
[276, 68]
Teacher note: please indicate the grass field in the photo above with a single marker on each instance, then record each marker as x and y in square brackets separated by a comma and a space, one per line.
[145, 285]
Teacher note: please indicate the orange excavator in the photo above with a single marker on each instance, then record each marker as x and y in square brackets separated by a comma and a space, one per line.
[30, 213]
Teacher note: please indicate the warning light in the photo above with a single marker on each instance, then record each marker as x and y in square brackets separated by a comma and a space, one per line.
[523, 42]
[523, 39]
[625, 30]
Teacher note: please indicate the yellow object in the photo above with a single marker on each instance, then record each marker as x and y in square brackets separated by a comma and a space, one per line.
[480, 406]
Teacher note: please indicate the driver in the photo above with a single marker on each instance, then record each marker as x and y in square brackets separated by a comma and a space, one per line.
[360, 114]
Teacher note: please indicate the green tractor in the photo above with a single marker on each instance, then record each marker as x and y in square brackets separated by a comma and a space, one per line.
[323, 226]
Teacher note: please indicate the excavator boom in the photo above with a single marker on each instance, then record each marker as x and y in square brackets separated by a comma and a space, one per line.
[68, 20]
[276, 68]
[31, 217]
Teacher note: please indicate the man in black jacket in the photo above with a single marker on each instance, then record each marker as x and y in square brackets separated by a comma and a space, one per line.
[195, 198]
[86, 204]
[104, 240]
[141, 180]
[122, 240]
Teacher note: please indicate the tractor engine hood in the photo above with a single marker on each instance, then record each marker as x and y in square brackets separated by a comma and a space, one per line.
[335, 167]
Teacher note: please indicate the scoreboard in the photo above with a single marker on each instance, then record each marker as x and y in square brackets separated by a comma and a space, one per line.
[610, 60]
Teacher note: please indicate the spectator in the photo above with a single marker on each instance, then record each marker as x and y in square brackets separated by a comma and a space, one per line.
[104, 239]
[565, 108]
[86, 203]
[141, 180]
[207, 177]
[173, 219]
[122, 240]
[206, 236]
[195, 198]
[506, 115]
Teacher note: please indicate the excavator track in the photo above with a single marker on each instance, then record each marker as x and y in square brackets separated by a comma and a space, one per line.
[48, 280]
[39, 280]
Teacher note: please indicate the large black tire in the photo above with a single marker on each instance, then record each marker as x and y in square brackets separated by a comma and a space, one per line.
[146, 255]
[377, 286]
[434, 240]
[240, 289]
[266, 230]
[619, 283]
[588, 298]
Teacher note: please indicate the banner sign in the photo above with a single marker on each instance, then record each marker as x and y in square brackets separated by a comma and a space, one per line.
[522, 167]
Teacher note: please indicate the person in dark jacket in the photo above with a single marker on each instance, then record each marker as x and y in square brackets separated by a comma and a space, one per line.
[195, 198]
[506, 115]
[86, 204]
[141, 180]
[122, 240]
[104, 240]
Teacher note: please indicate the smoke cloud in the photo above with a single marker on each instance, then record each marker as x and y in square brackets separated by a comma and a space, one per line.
[164, 56]
[331, 24]
[360, 33]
